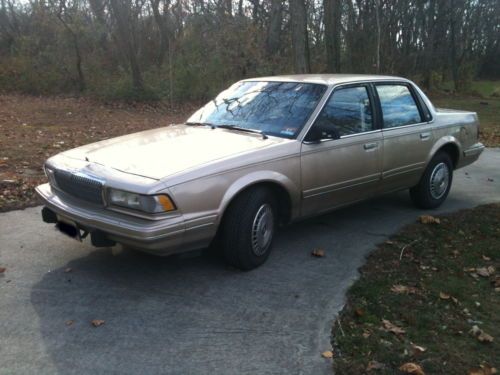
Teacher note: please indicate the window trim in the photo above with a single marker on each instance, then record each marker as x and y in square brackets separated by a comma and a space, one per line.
[373, 104]
[421, 107]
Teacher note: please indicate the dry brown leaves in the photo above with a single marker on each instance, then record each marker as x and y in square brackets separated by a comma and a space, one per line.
[481, 335]
[428, 219]
[318, 253]
[403, 289]
[69, 322]
[97, 322]
[2, 269]
[444, 296]
[412, 368]
[483, 370]
[417, 349]
[327, 354]
[391, 327]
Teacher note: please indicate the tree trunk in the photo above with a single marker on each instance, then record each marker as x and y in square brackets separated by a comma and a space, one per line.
[163, 31]
[274, 30]
[300, 42]
[453, 47]
[127, 41]
[377, 16]
[332, 11]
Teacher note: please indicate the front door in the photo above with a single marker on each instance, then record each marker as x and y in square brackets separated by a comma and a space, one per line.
[341, 156]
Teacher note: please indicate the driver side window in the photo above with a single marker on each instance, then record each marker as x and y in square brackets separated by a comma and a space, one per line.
[348, 111]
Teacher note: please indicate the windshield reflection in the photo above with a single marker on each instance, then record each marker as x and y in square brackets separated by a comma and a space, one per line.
[275, 108]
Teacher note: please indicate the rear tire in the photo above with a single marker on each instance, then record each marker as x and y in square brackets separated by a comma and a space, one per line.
[248, 229]
[435, 183]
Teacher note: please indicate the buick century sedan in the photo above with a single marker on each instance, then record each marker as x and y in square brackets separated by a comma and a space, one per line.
[264, 152]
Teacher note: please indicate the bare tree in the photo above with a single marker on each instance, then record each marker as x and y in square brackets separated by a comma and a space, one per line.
[333, 27]
[300, 38]
[123, 14]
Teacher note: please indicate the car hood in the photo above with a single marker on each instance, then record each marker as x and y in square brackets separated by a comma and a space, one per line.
[162, 152]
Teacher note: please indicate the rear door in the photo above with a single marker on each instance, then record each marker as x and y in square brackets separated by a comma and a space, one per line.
[407, 134]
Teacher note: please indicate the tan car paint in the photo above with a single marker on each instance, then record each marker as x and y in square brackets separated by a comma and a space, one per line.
[204, 169]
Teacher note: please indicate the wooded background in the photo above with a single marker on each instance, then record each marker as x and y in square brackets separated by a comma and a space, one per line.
[191, 49]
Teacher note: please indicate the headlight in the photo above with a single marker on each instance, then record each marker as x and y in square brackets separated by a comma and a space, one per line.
[50, 173]
[147, 203]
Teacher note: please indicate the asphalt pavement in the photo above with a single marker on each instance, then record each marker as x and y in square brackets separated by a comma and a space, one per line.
[191, 314]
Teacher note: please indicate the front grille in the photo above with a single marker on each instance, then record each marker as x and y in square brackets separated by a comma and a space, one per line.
[80, 187]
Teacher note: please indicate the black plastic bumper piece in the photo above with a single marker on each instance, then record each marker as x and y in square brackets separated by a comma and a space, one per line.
[49, 216]
[99, 239]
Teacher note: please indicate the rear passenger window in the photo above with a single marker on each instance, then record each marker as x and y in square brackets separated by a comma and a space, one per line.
[348, 111]
[398, 106]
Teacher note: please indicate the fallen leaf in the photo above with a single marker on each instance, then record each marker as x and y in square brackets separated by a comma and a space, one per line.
[318, 253]
[487, 259]
[2, 269]
[417, 349]
[480, 334]
[483, 370]
[428, 219]
[374, 365]
[399, 289]
[327, 354]
[491, 270]
[366, 334]
[359, 312]
[390, 327]
[484, 337]
[69, 322]
[403, 289]
[412, 368]
[483, 271]
[444, 295]
[97, 322]
[69, 269]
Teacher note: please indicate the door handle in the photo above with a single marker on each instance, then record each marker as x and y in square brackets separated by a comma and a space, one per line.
[425, 136]
[370, 146]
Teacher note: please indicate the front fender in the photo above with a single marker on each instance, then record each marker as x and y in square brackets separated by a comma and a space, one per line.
[257, 177]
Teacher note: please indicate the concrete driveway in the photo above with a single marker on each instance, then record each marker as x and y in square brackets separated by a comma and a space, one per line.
[192, 314]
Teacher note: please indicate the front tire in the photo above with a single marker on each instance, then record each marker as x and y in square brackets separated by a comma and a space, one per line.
[435, 184]
[248, 229]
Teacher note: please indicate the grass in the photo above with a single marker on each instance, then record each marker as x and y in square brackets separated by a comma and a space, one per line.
[446, 298]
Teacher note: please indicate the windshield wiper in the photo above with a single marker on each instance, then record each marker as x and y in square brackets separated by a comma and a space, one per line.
[191, 123]
[234, 127]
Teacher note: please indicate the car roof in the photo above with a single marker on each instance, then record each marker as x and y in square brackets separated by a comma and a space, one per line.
[326, 79]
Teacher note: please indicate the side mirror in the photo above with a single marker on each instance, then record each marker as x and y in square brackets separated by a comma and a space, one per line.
[314, 135]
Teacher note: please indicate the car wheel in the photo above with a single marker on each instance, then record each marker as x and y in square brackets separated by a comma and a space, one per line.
[435, 183]
[248, 229]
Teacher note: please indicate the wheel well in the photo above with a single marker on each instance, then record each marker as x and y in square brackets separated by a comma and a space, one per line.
[452, 150]
[280, 193]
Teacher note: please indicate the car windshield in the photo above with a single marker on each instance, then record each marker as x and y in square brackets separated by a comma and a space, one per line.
[275, 108]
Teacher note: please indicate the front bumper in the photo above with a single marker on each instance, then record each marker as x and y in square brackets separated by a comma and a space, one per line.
[161, 237]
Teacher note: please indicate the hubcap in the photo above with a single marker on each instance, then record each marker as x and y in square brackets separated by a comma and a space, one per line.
[262, 229]
[440, 178]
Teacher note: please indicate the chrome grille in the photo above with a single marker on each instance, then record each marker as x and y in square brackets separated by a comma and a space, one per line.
[80, 187]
